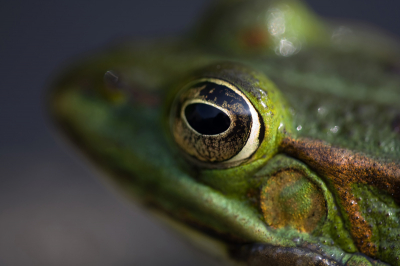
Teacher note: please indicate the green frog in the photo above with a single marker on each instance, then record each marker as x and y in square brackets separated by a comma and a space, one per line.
[266, 135]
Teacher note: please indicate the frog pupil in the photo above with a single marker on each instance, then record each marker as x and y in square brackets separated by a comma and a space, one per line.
[207, 119]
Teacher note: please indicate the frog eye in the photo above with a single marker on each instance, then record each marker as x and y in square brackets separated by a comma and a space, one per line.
[214, 123]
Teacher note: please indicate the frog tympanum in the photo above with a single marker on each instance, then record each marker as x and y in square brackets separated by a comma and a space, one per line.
[270, 134]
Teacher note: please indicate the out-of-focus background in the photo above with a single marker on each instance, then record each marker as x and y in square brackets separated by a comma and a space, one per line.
[53, 209]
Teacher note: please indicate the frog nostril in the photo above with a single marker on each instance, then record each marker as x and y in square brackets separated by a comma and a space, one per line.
[112, 80]
[118, 88]
[396, 124]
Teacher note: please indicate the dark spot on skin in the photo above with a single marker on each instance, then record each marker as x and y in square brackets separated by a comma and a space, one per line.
[396, 124]
[393, 68]
[254, 38]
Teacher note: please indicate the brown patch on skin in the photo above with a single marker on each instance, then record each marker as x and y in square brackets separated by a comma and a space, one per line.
[255, 38]
[253, 196]
[343, 168]
[290, 199]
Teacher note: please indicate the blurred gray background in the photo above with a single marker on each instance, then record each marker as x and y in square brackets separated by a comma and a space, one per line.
[53, 209]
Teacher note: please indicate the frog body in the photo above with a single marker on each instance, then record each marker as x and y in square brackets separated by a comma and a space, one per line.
[318, 182]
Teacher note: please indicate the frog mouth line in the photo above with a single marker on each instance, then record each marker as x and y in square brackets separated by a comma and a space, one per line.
[265, 254]
[343, 168]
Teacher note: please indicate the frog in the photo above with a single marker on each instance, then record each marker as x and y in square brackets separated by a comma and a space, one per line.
[266, 135]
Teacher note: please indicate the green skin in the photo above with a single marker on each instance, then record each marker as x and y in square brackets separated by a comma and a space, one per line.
[342, 92]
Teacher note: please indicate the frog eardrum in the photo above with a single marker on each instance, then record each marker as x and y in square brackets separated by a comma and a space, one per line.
[215, 123]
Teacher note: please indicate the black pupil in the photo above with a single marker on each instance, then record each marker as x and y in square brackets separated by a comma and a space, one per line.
[207, 119]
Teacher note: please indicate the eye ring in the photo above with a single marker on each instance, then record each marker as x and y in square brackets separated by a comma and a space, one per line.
[229, 147]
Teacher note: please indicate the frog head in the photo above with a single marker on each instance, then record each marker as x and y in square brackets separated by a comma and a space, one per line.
[260, 27]
[231, 146]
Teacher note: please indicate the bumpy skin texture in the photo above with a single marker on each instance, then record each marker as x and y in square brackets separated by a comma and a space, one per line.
[323, 186]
